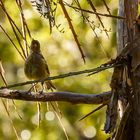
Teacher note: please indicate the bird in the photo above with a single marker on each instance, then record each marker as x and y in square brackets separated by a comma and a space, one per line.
[36, 67]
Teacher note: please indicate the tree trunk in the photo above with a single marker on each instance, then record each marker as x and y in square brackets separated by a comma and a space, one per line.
[128, 33]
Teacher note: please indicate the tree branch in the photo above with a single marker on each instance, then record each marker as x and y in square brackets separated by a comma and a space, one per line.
[75, 98]
[91, 12]
[108, 65]
[72, 29]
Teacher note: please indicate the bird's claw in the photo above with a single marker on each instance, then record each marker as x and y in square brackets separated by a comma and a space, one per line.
[41, 92]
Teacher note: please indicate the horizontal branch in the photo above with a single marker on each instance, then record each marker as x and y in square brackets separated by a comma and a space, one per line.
[102, 67]
[91, 12]
[74, 98]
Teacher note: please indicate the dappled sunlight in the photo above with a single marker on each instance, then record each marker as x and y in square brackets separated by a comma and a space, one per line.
[90, 132]
[50, 116]
[63, 56]
[25, 134]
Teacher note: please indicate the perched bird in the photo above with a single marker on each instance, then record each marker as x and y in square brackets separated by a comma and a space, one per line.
[36, 67]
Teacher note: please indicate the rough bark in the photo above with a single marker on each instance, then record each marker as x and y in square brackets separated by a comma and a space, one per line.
[75, 98]
[129, 128]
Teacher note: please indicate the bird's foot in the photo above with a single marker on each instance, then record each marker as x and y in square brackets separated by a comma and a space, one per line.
[41, 92]
[30, 89]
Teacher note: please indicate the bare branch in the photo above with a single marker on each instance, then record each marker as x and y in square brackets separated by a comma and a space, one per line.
[91, 112]
[12, 41]
[15, 29]
[75, 98]
[99, 18]
[108, 9]
[110, 64]
[91, 12]
[72, 29]
[24, 26]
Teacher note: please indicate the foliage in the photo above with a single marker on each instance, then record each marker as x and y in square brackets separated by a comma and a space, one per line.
[62, 56]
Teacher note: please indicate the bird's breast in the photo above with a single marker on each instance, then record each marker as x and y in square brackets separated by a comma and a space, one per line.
[35, 67]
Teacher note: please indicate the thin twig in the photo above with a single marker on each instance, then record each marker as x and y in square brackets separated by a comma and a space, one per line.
[97, 38]
[79, 6]
[60, 121]
[94, 9]
[12, 41]
[106, 7]
[89, 71]
[91, 12]
[2, 74]
[18, 39]
[72, 29]
[9, 18]
[98, 108]
[24, 25]
[10, 119]
[14, 28]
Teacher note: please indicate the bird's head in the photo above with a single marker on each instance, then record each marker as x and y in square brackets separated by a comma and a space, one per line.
[35, 46]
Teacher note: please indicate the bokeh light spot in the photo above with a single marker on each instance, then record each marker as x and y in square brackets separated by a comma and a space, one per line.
[49, 116]
[90, 132]
[25, 134]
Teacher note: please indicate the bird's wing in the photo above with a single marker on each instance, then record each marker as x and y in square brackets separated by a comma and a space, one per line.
[46, 65]
[47, 68]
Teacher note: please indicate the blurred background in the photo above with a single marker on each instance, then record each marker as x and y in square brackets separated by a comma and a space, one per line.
[63, 56]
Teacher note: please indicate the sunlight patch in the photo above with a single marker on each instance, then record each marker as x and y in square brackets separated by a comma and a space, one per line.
[49, 116]
[90, 132]
[25, 134]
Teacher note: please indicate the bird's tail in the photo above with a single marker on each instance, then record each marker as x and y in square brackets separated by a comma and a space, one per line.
[50, 85]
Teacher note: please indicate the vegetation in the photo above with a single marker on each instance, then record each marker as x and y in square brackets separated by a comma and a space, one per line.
[84, 42]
